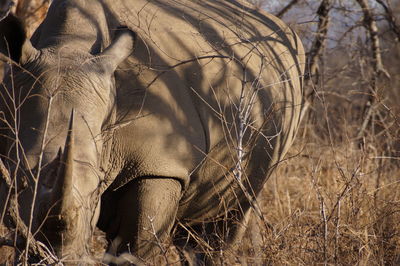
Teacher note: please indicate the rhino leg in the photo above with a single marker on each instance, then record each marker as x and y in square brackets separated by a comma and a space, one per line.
[146, 212]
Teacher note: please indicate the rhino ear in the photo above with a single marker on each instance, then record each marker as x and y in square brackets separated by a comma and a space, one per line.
[119, 49]
[13, 40]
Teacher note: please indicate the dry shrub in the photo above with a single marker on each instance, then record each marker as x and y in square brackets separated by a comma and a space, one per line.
[331, 203]
[337, 205]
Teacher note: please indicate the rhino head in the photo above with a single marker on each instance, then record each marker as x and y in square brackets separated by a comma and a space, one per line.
[54, 104]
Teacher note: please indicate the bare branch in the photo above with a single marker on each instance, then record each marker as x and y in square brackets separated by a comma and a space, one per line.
[319, 41]
[315, 53]
[286, 8]
[391, 19]
[35, 247]
[370, 25]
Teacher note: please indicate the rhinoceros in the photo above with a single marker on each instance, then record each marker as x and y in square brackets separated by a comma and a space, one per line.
[146, 117]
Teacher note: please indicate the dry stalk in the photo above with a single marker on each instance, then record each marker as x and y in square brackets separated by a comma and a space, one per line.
[158, 241]
[337, 231]
[324, 219]
[36, 248]
[36, 179]
[32, 247]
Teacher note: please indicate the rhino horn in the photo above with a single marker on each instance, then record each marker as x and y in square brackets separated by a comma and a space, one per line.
[64, 181]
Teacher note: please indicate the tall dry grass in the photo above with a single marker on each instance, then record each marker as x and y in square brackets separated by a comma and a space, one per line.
[333, 204]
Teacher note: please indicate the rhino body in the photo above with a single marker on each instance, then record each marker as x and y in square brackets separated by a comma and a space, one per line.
[134, 115]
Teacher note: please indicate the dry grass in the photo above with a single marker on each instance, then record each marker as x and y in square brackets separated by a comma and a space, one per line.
[333, 205]
[336, 200]
[328, 204]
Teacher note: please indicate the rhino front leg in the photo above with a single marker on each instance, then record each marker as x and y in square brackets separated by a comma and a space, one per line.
[146, 212]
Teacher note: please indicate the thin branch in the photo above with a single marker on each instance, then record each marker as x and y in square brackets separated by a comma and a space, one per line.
[391, 19]
[286, 8]
[4, 174]
[319, 41]
[35, 247]
[36, 180]
[316, 51]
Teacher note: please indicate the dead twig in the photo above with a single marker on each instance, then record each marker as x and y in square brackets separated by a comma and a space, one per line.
[36, 248]
[391, 19]
[286, 8]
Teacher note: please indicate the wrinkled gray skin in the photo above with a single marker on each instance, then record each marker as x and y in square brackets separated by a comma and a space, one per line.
[135, 129]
